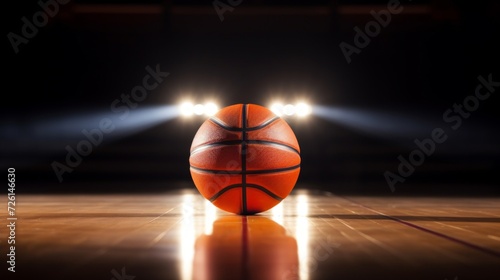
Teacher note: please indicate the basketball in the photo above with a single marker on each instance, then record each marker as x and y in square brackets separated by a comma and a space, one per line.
[245, 159]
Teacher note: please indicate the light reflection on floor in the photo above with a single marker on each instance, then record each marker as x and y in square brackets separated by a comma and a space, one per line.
[310, 235]
[215, 244]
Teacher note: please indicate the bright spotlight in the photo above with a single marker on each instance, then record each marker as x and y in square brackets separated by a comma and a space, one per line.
[300, 109]
[199, 109]
[289, 109]
[277, 109]
[211, 109]
[186, 109]
[303, 109]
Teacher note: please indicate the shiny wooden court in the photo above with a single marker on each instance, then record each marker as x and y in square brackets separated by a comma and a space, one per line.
[310, 235]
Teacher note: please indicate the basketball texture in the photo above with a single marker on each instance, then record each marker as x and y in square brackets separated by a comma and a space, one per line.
[245, 159]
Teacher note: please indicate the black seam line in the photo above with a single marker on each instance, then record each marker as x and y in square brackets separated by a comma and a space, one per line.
[224, 125]
[253, 186]
[237, 142]
[244, 158]
[215, 144]
[264, 124]
[247, 172]
[232, 128]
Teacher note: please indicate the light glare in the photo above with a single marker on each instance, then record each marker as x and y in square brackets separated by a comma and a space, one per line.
[300, 109]
[199, 109]
[211, 109]
[186, 109]
[303, 109]
[277, 109]
[289, 109]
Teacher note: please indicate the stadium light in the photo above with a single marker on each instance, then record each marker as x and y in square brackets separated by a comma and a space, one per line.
[211, 109]
[289, 109]
[199, 109]
[277, 108]
[300, 109]
[188, 109]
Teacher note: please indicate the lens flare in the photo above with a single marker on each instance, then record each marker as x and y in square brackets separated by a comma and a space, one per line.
[289, 109]
[49, 136]
[377, 123]
[186, 109]
[199, 109]
[211, 109]
[302, 109]
[277, 108]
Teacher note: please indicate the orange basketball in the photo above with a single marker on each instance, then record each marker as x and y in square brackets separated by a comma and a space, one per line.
[245, 159]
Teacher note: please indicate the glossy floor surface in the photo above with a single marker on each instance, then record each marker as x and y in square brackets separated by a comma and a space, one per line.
[310, 235]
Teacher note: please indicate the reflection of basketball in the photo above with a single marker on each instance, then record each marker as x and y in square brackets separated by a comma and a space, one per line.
[245, 159]
[251, 248]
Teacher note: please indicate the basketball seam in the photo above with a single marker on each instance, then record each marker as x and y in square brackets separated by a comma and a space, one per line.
[254, 186]
[249, 172]
[224, 125]
[238, 142]
[244, 158]
[264, 124]
[232, 128]
[245, 143]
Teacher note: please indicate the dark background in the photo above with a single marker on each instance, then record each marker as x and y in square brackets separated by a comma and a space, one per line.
[426, 59]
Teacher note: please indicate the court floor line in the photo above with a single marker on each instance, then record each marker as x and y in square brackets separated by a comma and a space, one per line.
[381, 245]
[447, 237]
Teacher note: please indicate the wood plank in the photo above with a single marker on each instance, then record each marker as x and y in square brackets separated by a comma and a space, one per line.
[310, 235]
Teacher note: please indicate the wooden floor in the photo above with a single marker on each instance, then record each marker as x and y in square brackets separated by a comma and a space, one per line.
[308, 236]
